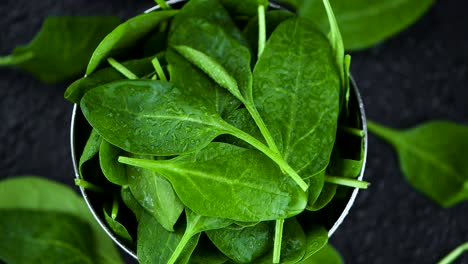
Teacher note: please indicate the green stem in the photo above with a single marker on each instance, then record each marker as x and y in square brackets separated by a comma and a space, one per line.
[163, 4]
[450, 258]
[261, 125]
[159, 69]
[261, 29]
[15, 59]
[183, 242]
[349, 182]
[87, 185]
[269, 153]
[115, 208]
[351, 130]
[122, 69]
[386, 133]
[278, 240]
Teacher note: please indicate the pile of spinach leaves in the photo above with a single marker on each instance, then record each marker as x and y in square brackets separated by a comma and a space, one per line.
[226, 136]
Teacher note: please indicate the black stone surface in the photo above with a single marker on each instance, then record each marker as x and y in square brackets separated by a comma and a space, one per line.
[419, 75]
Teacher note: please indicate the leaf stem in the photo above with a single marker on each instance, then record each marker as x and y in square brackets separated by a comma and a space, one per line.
[351, 130]
[87, 185]
[278, 240]
[261, 125]
[122, 69]
[386, 133]
[15, 59]
[163, 4]
[180, 247]
[261, 29]
[159, 69]
[454, 254]
[115, 207]
[347, 182]
[268, 152]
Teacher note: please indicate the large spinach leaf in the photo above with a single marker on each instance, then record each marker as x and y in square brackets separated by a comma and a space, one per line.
[62, 48]
[364, 23]
[33, 193]
[203, 179]
[432, 158]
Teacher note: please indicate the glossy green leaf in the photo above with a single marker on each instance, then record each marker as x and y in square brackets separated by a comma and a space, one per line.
[33, 193]
[155, 194]
[118, 229]
[114, 171]
[325, 197]
[241, 119]
[76, 90]
[131, 203]
[316, 239]
[244, 8]
[90, 150]
[156, 245]
[28, 236]
[327, 254]
[243, 245]
[296, 90]
[207, 253]
[137, 115]
[203, 179]
[432, 158]
[62, 48]
[364, 23]
[126, 35]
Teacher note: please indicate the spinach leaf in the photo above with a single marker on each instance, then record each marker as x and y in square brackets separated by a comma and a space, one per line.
[293, 246]
[364, 23]
[131, 203]
[316, 239]
[90, 150]
[432, 158]
[28, 236]
[203, 179]
[327, 254]
[119, 229]
[62, 48]
[112, 169]
[33, 193]
[155, 194]
[325, 197]
[296, 89]
[207, 253]
[195, 225]
[241, 119]
[243, 245]
[452, 256]
[77, 89]
[126, 35]
[156, 245]
[245, 8]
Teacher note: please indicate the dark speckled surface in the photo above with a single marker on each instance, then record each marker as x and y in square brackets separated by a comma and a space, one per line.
[419, 75]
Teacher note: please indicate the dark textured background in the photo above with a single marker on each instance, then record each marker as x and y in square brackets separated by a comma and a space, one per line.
[419, 75]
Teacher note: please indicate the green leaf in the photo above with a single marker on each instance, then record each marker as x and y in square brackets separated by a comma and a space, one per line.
[207, 253]
[33, 193]
[203, 179]
[327, 254]
[28, 236]
[325, 197]
[432, 158]
[90, 150]
[364, 23]
[131, 202]
[126, 35]
[296, 90]
[243, 245]
[114, 171]
[241, 119]
[62, 48]
[119, 229]
[242, 8]
[316, 239]
[155, 194]
[76, 90]
[156, 245]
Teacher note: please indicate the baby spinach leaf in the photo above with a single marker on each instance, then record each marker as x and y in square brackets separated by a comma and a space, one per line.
[325, 197]
[126, 35]
[119, 229]
[156, 245]
[203, 179]
[316, 239]
[112, 169]
[207, 253]
[90, 150]
[296, 90]
[432, 158]
[28, 236]
[293, 246]
[364, 23]
[76, 90]
[243, 245]
[195, 225]
[131, 203]
[154, 193]
[327, 254]
[33, 193]
[62, 48]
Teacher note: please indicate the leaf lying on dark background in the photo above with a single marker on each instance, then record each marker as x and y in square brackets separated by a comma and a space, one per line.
[43, 196]
[432, 158]
[62, 48]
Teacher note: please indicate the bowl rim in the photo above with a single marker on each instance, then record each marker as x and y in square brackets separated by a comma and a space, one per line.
[116, 240]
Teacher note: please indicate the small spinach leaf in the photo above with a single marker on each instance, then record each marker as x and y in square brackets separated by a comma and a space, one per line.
[126, 35]
[90, 150]
[316, 239]
[62, 48]
[432, 158]
[325, 197]
[112, 169]
[327, 254]
[131, 203]
[203, 179]
[119, 229]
